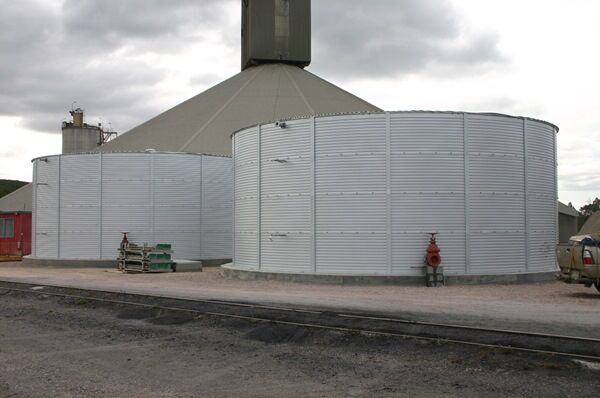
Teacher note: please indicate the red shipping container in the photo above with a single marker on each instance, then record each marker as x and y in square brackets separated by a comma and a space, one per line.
[15, 234]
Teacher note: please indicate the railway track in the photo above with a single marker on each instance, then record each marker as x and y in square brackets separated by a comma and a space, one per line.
[501, 339]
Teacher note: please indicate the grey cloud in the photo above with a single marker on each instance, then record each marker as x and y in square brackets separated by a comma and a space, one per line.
[500, 104]
[53, 56]
[575, 160]
[204, 79]
[167, 25]
[503, 105]
[581, 181]
[391, 38]
[82, 51]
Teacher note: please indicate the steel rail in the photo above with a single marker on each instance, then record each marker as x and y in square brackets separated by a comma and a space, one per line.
[342, 315]
[475, 328]
[333, 328]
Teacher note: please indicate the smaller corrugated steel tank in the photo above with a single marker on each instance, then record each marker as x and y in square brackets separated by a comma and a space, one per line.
[83, 202]
[357, 194]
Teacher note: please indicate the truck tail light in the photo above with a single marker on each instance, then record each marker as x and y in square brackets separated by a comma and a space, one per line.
[587, 258]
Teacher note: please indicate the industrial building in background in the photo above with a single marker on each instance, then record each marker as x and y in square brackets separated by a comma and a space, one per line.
[568, 218]
[591, 225]
[15, 235]
[78, 136]
[19, 200]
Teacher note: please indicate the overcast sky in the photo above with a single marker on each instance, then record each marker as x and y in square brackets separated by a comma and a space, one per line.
[125, 61]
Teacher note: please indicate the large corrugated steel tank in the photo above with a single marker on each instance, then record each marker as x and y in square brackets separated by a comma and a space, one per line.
[357, 194]
[83, 202]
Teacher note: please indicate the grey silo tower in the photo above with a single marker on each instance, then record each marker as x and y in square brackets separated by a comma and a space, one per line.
[276, 31]
[78, 136]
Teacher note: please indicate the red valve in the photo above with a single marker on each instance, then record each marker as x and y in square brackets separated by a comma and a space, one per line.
[124, 241]
[433, 258]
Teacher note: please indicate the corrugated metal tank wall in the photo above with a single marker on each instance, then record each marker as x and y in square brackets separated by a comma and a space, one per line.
[83, 202]
[357, 194]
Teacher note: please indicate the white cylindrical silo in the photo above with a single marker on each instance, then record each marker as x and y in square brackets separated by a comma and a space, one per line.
[357, 194]
[82, 203]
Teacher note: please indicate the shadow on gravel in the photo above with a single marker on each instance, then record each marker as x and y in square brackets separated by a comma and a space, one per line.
[272, 333]
[137, 313]
[592, 295]
[172, 318]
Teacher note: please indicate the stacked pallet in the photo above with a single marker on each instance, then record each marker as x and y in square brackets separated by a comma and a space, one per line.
[135, 258]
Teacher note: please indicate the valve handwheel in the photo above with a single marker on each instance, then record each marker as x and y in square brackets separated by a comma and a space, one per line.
[433, 258]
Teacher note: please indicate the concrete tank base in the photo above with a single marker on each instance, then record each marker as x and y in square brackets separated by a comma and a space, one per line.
[182, 265]
[215, 263]
[229, 271]
[54, 262]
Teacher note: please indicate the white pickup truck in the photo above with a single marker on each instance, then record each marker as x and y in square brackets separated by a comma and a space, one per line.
[579, 260]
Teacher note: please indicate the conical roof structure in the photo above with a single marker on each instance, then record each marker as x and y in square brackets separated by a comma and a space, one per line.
[262, 93]
[592, 224]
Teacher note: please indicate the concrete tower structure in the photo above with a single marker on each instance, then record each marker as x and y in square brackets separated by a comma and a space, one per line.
[78, 136]
[275, 31]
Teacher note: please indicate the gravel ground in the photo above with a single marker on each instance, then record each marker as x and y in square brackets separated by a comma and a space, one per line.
[552, 307]
[52, 347]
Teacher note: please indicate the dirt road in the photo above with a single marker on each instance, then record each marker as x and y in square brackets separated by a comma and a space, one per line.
[52, 347]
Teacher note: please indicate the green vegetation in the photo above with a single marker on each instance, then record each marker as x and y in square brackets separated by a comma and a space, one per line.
[590, 208]
[7, 186]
